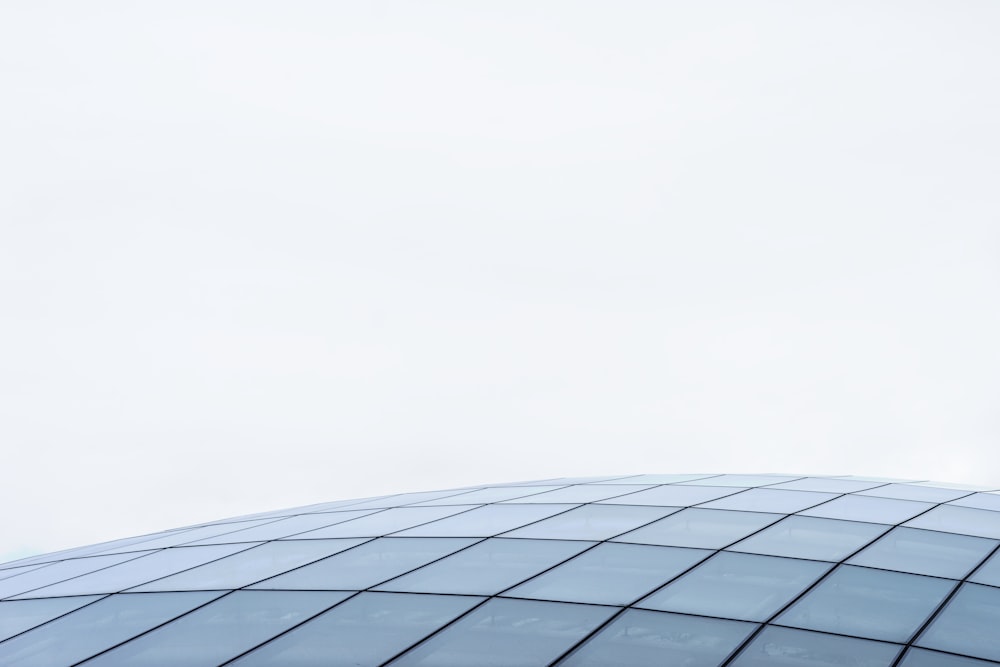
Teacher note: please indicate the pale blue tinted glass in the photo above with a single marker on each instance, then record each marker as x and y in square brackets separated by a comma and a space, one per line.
[487, 521]
[673, 495]
[709, 529]
[175, 538]
[782, 647]
[488, 567]
[584, 493]
[770, 500]
[16, 616]
[368, 629]
[740, 586]
[827, 485]
[865, 508]
[652, 639]
[55, 572]
[251, 566]
[366, 565]
[654, 479]
[913, 492]
[989, 572]
[139, 571]
[918, 657]
[7, 573]
[968, 624]
[926, 552]
[491, 495]
[592, 522]
[384, 522]
[221, 630]
[96, 627]
[963, 520]
[404, 499]
[868, 603]
[983, 501]
[611, 574]
[285, 527]
[510, 633]
[743, 480]
[808, 537]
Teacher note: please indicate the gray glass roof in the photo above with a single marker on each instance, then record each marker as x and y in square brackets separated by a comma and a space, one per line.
[659, 569]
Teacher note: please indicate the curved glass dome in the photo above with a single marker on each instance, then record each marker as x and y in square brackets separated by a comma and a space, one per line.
[693, 570]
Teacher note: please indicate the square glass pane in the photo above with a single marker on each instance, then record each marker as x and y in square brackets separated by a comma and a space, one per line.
[16, 616]
[967, 625]
[593, 522]
[97, 627]
[983, 501]
[744, 480]
[865, 508]
[770, 500]
[584, 493]
[610, 573]
[221, 630]
[366, 565]
[928, 494]
[368, 629]
[510, 633]
[138, 571]
[783, 647]
[694, 527]
[918, 657]
[962, 520]
[808, 537]
[286, 527]
[641, 638]
[60, 571]
[673, 495]
[868, 603]
[487, 568]
[926, 552]
[250, 566]
[486, 521]
[491, 495]
[740, 586]
[827, 485]
[384, 522]
[988, 572]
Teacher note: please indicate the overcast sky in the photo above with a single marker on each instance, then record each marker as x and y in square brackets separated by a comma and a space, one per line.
[262, 254]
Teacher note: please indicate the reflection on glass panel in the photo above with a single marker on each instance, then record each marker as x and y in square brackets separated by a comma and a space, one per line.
[175, 538]
[770, 500]
[584, 493]
[221, 630]
[139, 571]
[782, 647]
[652, 639]
[918, 657]
[741, 586]
[674, 495]
[926, 552]
[384, 522]
[593, 522]
[285, 527]
[868, 603]
[983, 501]
[968, 624]
[808, 537]
[963, 520]
[504, 633]
[989, 572]
[865, 508]
[827, 485]
[366, 565]
[250, 566]
[928, 494]
[694, 527]
[56, 572]
[97, 627]
[611, 574]
[487, 521]
[744, 480]
[16, 616]
[488, 567]
[492, 495]
[368, 629]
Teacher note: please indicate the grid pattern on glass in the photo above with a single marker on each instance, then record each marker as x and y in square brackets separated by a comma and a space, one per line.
[866, 508]
[486, 521]
[744, 480]
[967, 625]
[962, 520]
[17, 616]
[492, 495]
[61, 571]
[809, 537]
[983, 501]
[919, 657]
[770, 500]
[926, 552]
[584, 493]
[988, 572]
[384, 522]
[700, 528]
[914, 492]
[785, 647]
[673, 496]
[592, 522]
[286, 527]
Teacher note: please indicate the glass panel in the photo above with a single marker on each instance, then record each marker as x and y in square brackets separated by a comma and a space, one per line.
[744, 480]
[221, 630]
[404, 499]
[16, 616]
[60, 571]
[926, 552]
[918, 657]
[491, 495]
[964, 520]
[827, 485]
[676, 496]
[184, 536]
[928, 494]
[385, 522]
[868, 603]
[983, 501]
[989, 573]
[770, 500]
[510, 633]
[250, 566]
[97, 627]
[487, 521]
[782, 647]
[488, 567]
[740, 586]
[368, 629]
[709, 529]
[967, 625]
[14, 571]
[138, 571]
[806, 537]
[626, 572]
[593, 522]
[652, 639]
[584, 493]
[285, 527]
[865, 508]
[655, 479]
[366, 565]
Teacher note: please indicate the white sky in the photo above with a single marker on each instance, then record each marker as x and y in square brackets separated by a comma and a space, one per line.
[263, 254]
